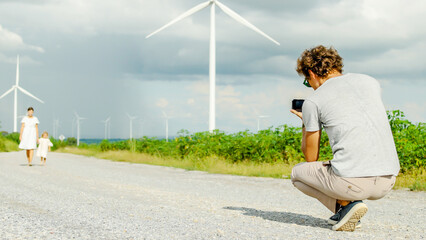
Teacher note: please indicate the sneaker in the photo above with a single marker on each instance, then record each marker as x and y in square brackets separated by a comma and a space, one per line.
[335, 219]
[349, 216]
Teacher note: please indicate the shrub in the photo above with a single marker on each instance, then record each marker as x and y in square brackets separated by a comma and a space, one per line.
[71, 141]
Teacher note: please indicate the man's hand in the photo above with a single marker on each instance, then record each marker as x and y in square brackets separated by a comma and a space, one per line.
[297, 113]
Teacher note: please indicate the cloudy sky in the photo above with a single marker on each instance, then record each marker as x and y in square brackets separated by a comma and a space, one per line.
[91, 56]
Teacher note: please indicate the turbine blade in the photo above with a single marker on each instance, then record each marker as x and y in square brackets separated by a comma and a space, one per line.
[164, 114]
[7, 92]
[29, 94]
[17, 71]
[182, 16]
[243, 21]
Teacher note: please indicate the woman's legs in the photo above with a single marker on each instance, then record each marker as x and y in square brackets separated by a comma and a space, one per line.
[30, 154]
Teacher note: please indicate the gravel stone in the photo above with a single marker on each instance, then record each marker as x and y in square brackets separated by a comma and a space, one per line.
[77, 197]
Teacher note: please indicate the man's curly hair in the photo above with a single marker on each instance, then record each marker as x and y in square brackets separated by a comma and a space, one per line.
[320, 60]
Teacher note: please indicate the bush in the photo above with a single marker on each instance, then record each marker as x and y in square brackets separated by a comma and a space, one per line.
[279, 145]
[71, 141]
[13, 136]
[105, 145]
[409, 141]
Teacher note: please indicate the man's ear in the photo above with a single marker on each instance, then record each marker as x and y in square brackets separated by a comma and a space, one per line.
[312, 75]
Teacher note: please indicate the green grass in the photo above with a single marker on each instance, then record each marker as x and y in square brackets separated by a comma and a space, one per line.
[414, 180]
[7, 145]
[209, 164]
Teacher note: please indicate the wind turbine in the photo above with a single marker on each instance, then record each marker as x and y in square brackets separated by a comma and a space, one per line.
[77, 119]
[167, 125]
[131, 118]
[258, 121]
[15, 89]
[55, 128]
[107, 124]
[212, 64]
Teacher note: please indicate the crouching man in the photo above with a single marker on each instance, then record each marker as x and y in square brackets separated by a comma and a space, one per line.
[350, 109]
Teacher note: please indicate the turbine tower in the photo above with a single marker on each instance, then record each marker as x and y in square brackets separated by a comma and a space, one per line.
[15, 88]
[55, 128]
[258, 121]
[167, 125]
[107, 128]
[131, 118]
[77, 119]
[212, 63]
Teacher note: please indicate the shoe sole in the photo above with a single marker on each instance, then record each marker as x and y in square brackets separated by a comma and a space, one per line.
[349, 222]
[332, 222]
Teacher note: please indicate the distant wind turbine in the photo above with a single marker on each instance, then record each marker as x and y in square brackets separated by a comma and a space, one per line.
[15, 89]
[78, 118]
[167, 125]
[258, 121]
[131, 118]
[55, 128]
[212, 64]
[107, 127]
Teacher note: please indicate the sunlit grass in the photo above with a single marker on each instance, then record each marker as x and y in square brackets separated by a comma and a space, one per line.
[8, 145]
[210, 164]
[415, 180]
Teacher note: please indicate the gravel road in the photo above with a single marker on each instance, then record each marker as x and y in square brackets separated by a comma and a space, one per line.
[76, 197]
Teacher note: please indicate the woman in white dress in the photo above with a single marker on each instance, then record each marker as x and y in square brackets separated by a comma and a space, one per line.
[29, 134]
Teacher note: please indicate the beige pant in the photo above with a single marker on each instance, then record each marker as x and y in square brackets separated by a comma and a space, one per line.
[318, 180]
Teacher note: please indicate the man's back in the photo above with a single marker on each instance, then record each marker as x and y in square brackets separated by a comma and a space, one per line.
[350, 109]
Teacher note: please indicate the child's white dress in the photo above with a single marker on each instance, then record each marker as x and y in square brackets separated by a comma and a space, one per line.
[29, 138]
[43, 147]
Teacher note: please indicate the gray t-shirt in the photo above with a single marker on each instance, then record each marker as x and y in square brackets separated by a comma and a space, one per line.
[350, 109]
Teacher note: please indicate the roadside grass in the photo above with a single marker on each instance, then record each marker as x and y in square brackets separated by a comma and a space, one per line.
[414, 180]
[210, 164]
[7, 145]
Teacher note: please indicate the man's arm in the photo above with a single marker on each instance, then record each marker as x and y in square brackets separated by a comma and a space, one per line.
[311, 145]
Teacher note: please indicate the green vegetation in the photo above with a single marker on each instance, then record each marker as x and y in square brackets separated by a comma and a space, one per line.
[8, 142]
[270, 152]
[208, 164]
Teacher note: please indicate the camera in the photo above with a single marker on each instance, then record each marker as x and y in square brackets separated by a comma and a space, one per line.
[297, 104]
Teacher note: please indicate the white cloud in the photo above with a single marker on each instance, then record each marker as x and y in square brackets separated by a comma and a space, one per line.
[10, 41]
[393, 61]
[162, 103]
[190, 101]
[415, 111]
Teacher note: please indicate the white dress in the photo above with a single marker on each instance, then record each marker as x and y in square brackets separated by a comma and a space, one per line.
[43, 147]
[29, 135]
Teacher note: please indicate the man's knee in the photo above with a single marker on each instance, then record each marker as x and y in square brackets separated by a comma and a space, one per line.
[295, 172]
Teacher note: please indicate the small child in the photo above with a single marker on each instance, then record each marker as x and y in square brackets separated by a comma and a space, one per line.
[44, 147]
